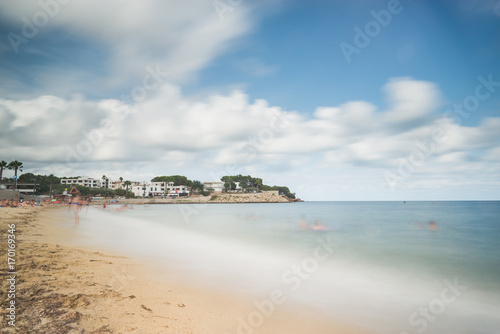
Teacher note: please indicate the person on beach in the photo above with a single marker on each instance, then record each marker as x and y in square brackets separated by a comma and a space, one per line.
[303, 224]
[318, 226]
[86, 203]
[433, 225]
[76, 205]
[122, 208]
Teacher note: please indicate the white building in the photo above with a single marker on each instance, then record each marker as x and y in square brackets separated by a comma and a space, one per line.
[174, 191]
[215, 186]
[22, 187]
[120, 184]
[116, 185]
[147, 190]
[85, 182]
[162, 189]
[238, 187]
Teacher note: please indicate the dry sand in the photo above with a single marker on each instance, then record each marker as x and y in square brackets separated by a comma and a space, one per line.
[62, 287]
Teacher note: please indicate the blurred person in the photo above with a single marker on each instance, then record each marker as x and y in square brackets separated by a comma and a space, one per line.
[318, 226]
[433, 225]
[75, 204]
[303, 224]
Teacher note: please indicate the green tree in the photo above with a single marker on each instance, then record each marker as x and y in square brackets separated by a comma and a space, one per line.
[120, 192]
[51, 179]
[246, 181]
[3, 165]
[228, 182]
[16, 166]
[127, 184]
[249, 183]
[178, 180]
[160, 179]
[27, 177]
[30, 178]
[256, 182]
[196, 186]
[282, 190]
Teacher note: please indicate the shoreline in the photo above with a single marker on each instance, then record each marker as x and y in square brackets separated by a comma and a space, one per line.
[214, 198]
[224, 198]
[64, 286]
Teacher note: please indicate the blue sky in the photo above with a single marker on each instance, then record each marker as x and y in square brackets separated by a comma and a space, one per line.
[429, 40]
[349, 127]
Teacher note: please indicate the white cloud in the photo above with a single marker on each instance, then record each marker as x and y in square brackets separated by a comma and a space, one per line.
[493, 154]
[181, 37]
[411, 100]
[170, 129]
[350, 145]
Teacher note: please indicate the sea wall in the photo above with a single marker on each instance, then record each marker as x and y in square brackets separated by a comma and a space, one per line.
[263, 197]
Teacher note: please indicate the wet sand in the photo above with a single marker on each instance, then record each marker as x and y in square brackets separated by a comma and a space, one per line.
[63, 287]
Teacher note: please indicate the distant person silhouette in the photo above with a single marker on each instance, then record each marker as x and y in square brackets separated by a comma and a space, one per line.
[433, 226]
[318, 226]
[76, 206]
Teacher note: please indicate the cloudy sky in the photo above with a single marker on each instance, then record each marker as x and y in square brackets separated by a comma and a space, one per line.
[339, 100]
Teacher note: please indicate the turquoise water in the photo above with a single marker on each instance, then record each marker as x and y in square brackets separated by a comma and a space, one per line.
[377, 264]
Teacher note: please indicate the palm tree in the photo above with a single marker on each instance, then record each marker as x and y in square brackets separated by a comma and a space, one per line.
[257, 183]
[15, 165]
[51, 178]
[126, 184]
[3, 165]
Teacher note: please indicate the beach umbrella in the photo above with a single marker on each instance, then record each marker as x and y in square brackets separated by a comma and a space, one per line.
[54, 200]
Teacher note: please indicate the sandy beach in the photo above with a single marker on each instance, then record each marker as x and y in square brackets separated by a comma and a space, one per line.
[64, 287]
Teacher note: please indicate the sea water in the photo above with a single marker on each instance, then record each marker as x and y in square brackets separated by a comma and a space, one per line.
[381, 265]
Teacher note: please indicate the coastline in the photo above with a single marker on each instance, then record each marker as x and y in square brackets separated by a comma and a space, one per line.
[222, 198]
[64, 287]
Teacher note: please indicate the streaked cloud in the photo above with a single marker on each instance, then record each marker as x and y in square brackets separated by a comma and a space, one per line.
[67, 98]
[217, 130]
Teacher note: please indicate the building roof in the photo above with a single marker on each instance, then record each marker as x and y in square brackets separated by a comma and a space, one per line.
[11, 183]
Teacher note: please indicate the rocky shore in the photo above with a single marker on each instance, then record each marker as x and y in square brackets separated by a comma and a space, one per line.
[264, 197]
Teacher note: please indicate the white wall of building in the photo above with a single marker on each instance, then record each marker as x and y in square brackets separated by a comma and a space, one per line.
[160, 189]
[84, 182]
[217, 186]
